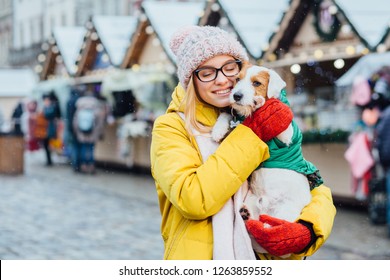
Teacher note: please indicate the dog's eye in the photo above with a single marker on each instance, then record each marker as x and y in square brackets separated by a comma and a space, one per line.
[256, 84]
[237, 79]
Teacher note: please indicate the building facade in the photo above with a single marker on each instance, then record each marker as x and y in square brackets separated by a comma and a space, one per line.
[5, 30]
[31, 23]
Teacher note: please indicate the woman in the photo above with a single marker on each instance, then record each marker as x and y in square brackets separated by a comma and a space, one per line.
[192, 189]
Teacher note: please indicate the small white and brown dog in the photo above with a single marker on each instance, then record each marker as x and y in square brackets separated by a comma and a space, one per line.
[281, 193]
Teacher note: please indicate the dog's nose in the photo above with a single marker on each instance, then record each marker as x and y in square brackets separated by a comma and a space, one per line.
[237, 96]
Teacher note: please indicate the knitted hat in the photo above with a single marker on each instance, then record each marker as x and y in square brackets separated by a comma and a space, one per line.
[193, 45]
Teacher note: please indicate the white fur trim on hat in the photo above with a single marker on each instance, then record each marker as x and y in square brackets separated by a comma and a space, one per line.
[193, 45]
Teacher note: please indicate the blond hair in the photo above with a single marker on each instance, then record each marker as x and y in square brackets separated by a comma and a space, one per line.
[190, 100]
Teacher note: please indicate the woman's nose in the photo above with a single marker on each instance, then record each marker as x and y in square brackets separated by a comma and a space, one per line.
[221, 78]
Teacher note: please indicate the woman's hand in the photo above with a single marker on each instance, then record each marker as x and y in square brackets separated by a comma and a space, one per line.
[270, 120]
[282, 237]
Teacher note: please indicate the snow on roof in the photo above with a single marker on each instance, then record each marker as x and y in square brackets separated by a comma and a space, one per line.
[69, 40]
[17, 82]
[255, 21]
[115, 33]
[364, 67]
[168, 17]
[370, 18]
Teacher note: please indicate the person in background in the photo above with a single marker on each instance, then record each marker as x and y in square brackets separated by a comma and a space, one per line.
[71, 133]
[51, 113]
[29, 123]
[192, 189]
[17, 118]
[381, 99]
[88, 124]
[383, 146]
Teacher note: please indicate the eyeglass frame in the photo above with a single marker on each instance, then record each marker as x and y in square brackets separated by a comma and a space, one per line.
[237, 61]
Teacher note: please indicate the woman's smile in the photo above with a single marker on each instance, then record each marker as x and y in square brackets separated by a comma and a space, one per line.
[223, 92]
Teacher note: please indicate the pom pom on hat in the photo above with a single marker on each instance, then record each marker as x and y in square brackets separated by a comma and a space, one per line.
[193, 45]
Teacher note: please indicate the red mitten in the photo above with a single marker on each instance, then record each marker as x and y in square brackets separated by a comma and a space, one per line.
[270, 119]
[282, 237]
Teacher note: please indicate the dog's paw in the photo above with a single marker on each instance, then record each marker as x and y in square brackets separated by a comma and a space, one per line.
[244, 212]
[221, 127]
[287, 135]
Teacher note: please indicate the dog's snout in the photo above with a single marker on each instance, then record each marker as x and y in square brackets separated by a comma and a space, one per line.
[237, 96]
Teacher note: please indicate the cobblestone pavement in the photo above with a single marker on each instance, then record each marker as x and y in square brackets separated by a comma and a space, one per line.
[53, 213]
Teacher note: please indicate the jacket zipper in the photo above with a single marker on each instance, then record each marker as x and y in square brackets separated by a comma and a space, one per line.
[178, 233]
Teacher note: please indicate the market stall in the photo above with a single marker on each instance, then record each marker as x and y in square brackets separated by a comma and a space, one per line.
[136, 99]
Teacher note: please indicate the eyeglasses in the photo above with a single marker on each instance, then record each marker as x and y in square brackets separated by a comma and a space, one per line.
[208, 74]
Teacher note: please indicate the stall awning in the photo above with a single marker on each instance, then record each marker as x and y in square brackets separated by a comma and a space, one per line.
[16, 82]
[364, 67]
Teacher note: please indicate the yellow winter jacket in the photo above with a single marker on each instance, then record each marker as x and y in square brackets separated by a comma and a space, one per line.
[190, 192]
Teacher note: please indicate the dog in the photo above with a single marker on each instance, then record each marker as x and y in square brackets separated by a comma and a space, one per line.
[278, 192]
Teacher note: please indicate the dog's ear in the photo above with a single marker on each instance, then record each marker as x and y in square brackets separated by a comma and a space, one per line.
[275, 84]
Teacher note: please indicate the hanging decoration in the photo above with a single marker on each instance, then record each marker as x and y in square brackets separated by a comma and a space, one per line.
[326, 22]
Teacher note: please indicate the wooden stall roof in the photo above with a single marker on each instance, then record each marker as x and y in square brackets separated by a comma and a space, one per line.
[115, 33]
[369, 19]
[384, 43]
[252, 23]
[161, 19]
[48, 60]
[137, 43]
[337, 35]
[109, 35]
[61, 51]
[88, 51]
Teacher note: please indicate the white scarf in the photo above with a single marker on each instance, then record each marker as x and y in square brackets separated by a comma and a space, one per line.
[231, 239]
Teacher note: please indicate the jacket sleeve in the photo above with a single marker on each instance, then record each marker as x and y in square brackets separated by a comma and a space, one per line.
[199, 190]
[320, 212]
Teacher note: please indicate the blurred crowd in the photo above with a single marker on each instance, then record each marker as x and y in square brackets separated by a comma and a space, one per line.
[72, 133]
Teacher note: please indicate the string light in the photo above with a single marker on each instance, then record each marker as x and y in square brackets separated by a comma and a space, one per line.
[318, 54]
[94, 36]
[99, 48]
[41, 57]
[381, 48]
[339, 63]
[215, 7]
[350, 50]
[135, 67]
[149, 30]
[295, 68]
[38, 68]
[59, 59]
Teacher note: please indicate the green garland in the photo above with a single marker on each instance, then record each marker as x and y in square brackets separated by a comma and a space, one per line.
[334, 29]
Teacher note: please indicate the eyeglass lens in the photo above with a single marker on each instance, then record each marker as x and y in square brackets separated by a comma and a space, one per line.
[208, 74]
